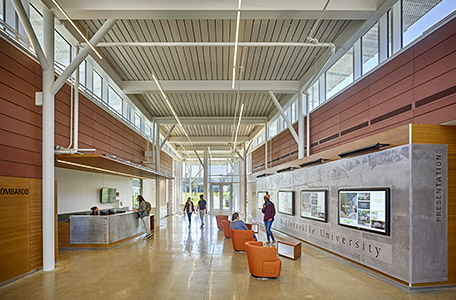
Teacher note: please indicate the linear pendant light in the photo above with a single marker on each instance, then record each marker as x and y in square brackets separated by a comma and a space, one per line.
[236, 43]
[239, 123]
[76, 28]
[171, 107]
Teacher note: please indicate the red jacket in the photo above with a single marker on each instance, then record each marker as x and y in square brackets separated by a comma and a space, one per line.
[269, 211]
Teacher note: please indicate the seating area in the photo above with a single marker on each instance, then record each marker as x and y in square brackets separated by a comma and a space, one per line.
[263, 261]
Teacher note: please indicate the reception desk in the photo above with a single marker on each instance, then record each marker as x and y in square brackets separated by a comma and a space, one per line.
[86, 231]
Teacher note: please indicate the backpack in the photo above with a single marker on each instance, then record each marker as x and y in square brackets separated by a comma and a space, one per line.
[148, 207]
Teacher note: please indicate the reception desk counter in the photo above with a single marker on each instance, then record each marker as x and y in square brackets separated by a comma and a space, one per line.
[103, 231]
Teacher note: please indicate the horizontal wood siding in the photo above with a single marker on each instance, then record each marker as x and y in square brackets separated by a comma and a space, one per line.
[418, 86]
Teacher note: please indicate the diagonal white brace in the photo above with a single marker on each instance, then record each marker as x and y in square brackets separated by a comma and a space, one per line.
[167, 136]
[81, 56]
[31, 34]
[280, 109]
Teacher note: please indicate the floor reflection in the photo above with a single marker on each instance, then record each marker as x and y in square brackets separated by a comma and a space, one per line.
[199, 263]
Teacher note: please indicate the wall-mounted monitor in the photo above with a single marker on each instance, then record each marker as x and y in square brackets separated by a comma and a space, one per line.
[108, 195]
[314, 205]
[260, 199]
[367, 209]
[286, 202]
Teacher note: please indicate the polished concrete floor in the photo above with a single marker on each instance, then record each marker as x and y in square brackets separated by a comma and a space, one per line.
[183, 263]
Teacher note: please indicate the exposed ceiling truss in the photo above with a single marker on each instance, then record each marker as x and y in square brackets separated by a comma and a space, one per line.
[189, 46]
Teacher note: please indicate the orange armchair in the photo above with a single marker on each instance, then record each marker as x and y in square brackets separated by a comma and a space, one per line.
[219, 219]
[239, 237]
[226, 228]
[263, 261]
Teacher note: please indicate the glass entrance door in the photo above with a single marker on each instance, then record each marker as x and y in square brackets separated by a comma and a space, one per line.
[221, 199]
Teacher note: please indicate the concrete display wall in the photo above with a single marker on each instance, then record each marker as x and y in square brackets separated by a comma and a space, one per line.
[416, 249]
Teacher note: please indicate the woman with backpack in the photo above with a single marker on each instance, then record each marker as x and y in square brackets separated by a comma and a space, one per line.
[189, 209]
[144, 216]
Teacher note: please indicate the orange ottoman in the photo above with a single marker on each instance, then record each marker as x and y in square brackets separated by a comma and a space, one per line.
[219, 219]
[226, 228]
[263, 261]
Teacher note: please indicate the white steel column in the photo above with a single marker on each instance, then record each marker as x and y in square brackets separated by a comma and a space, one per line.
[243, 191]
[157, 179]
[48, 145]
[301, 133]
[383, 38]
[307, 124]
[206, 177]
[266, 133]
[397, 27]
[76, 106]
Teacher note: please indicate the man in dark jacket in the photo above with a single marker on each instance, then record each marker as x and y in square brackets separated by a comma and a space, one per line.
[269, 213]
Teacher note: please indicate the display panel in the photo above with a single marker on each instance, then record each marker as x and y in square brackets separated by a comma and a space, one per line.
[260, 199]
[366, 209]
[286, 202]
[108, 195]
[314, 205]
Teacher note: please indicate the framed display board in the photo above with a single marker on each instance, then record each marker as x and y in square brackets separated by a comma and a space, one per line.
[286, 202]
[260, 199]
[314, 205]
[366, 209]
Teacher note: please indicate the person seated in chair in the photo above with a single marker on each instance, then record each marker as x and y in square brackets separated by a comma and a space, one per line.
[237, 224]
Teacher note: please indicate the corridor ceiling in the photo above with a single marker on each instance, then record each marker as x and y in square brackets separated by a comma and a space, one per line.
[197, 78]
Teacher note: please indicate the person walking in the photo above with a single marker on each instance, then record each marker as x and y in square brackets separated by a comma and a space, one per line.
[189, 209]
[202, 209]
[144, 216]
[269, 213]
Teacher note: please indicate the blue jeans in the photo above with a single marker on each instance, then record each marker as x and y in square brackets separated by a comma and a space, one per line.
[189, 215]
[267, 225]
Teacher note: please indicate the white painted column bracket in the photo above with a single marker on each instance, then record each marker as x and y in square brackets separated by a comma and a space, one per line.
[157, 179]
[289, 125]
[301, 132]
[45, 66]
[307, 124]
[199, 158]
[238, 154]
[81, 56]
[167, 136]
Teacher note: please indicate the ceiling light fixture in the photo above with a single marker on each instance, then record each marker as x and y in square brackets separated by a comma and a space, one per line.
[171, 107]
[77, 29]
[238, 125]
[236, 42]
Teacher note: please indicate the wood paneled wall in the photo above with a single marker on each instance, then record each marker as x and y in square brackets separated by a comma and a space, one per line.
[417, 86]
[21, 148]
[20, 121]
[21, 227]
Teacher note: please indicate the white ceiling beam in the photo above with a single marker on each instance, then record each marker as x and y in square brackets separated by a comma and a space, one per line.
[207, 9]
[210, 120]
[212, 44]
[171, 86]
[206, 139]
